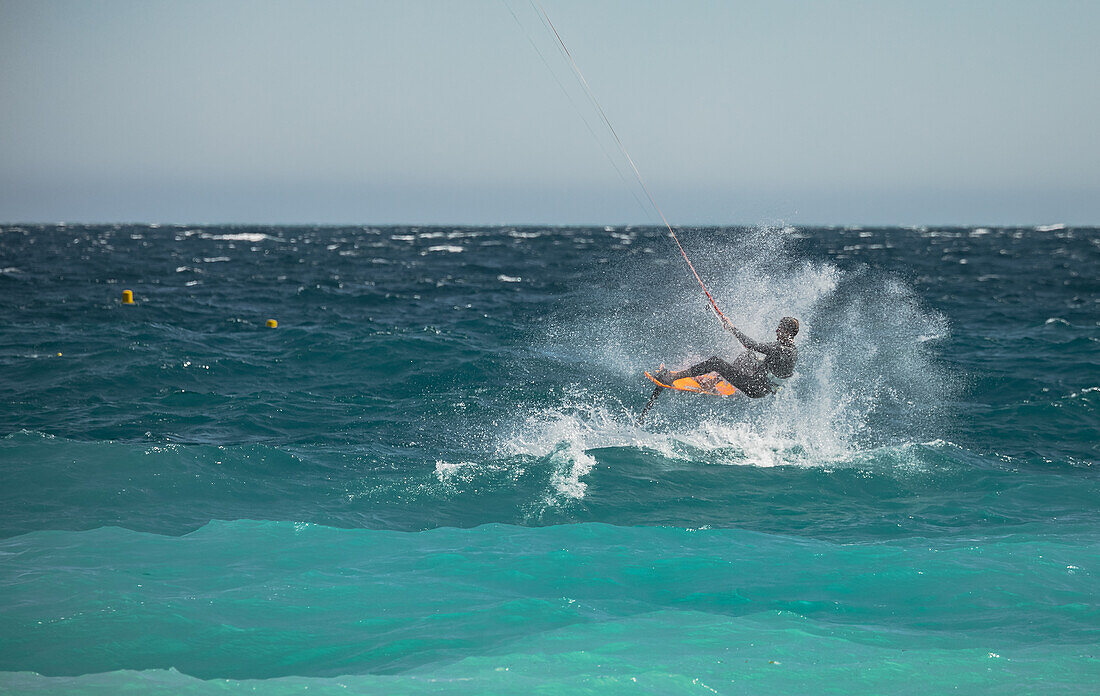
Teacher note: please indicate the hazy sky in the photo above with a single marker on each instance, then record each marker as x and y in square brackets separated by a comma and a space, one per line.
[916, 112]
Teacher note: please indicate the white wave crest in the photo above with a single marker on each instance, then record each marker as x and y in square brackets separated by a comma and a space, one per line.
[238, 236]
[448, 248]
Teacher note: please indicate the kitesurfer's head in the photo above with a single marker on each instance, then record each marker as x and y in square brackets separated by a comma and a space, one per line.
[787, 329]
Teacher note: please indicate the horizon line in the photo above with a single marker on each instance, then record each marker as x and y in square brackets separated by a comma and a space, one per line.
[1049, 226]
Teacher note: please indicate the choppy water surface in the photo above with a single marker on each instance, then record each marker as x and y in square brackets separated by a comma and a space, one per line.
[431, 477]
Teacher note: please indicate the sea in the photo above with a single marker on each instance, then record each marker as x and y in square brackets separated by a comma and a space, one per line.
[430, 477]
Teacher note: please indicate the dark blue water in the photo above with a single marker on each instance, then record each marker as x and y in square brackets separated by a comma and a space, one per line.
[430, 475]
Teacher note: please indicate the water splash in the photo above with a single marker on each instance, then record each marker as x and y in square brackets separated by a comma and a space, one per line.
[866, 377]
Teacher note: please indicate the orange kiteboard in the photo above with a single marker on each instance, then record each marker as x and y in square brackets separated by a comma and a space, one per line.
[711, 383]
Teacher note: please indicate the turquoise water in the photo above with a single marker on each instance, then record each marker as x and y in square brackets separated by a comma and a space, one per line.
[430, 476]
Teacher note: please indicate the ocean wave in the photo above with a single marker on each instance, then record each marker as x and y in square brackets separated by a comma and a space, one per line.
[777, 652]
[267, 600]
[568, 470]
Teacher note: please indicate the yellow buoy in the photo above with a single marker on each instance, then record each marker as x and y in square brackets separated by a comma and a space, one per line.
[272, 324]
[127, 297]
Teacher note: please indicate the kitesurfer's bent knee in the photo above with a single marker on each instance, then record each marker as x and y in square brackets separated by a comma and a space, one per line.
[711, 364]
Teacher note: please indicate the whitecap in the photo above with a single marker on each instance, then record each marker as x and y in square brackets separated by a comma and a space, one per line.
[238, 237]
[446, 471]
[449, 248]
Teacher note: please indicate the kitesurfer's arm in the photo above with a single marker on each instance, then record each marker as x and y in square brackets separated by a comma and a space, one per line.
[745, 340]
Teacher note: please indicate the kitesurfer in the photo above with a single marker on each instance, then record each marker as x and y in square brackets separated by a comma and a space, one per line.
[747, 373]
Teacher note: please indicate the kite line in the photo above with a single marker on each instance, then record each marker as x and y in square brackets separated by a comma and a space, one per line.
[622, 148]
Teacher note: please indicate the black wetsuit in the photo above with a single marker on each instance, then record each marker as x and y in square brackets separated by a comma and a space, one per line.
[748, 373]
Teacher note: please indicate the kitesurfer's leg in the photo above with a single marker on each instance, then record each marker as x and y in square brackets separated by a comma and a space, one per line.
[711, 364]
